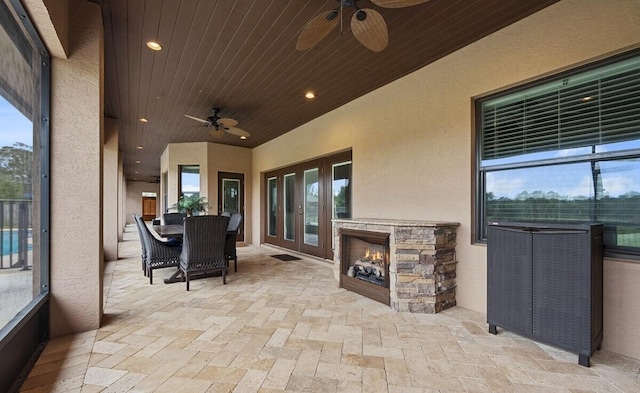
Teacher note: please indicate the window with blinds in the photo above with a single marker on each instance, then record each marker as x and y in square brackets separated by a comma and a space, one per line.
[565, 150]
[590, 109]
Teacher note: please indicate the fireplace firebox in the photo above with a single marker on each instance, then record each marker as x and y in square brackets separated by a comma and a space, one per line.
[365, 264]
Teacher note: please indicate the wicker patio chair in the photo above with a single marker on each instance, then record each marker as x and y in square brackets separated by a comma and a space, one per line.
[203, 246]
[173, 218]
[143, 248]
[159, 255]
[232, 238]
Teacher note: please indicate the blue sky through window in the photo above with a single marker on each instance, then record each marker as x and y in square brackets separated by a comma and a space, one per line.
[14, 127]
[570, 181]
[190, 183]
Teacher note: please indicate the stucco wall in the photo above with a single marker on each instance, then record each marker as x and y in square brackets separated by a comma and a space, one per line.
[223, 158]
[122, 198]
[134, 198]
[212, 158]
[176, 154]
[111, 186]
[52, 17]
[76, 177]
[412, 139]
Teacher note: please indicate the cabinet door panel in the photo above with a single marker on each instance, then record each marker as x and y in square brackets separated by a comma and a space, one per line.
[509, 279]
[562, 288]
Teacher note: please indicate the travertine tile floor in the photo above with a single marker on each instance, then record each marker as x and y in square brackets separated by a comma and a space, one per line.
[283, 326]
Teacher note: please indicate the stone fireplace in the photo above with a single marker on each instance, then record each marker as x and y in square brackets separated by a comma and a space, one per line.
[406, 264]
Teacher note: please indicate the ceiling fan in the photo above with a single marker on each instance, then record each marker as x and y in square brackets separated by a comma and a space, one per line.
[221, 124]
[367, 24]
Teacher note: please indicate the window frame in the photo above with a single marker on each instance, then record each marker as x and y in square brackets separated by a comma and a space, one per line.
[24, 337]
[479, 171]
[182, 169]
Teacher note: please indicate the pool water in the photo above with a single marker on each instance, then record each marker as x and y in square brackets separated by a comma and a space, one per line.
[9, 245]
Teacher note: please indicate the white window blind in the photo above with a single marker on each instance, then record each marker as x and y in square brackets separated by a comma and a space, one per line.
[589, 109]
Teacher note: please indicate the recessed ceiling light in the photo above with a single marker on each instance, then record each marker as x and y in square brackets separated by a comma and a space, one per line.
[137, 161]
[243, 137]
[154, 45]
[310, 95]
[143, 120]
[136, 172]
[139, 147]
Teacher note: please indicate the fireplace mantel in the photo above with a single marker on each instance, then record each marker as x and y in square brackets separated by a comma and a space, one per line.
[422, 260]
[394, 222]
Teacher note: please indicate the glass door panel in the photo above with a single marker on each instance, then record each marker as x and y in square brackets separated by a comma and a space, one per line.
[340, 193]
[231, 195]
[310, 211]
[272, 206]
[290, 211]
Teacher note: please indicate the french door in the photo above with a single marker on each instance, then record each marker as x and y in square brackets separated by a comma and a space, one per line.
[300, 202]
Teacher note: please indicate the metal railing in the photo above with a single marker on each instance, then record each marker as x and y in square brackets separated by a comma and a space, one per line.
[15, 233]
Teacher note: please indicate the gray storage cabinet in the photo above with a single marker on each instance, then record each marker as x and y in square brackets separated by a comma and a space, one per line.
[544, 281]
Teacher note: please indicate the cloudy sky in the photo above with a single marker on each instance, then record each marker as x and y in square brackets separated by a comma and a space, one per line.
[14, 127]
[570, 180]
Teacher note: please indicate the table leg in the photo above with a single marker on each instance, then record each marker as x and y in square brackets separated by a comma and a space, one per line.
[175, 277]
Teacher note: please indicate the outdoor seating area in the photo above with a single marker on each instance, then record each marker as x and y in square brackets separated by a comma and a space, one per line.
[199, 246]
[284, 326]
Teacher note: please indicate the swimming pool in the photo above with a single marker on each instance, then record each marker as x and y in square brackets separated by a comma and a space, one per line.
[9, 244]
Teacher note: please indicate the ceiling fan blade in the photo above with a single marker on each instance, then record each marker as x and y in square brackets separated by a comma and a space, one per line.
[397, 3]
[196, 119]
[227, 122]
[236, 131]
[316, 29]
[372, 31]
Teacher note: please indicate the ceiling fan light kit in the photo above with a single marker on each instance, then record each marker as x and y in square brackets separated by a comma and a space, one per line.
[367, 24]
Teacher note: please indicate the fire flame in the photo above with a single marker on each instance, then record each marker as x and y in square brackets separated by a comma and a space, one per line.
[373, 255]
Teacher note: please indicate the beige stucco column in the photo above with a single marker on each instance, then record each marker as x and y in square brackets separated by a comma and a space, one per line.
[76, 173]
[122, 198]
[111, 189]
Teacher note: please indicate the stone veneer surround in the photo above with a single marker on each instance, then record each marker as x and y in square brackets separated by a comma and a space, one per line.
[422, 261]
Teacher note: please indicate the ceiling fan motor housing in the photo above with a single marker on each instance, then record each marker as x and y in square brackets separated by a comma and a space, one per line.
[213, 119]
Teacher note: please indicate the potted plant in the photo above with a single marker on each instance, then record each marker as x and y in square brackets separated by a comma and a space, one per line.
[191, 204]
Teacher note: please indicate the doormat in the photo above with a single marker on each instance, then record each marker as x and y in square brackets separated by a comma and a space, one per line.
[285, 257]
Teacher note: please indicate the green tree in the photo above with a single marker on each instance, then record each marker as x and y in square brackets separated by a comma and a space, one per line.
[340, 199]
[16, 165]
[10, 189]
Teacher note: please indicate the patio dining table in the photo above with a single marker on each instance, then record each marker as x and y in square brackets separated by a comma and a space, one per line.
[166, 231]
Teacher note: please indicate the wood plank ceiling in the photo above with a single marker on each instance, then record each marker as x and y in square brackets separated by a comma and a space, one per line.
[240, 56]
